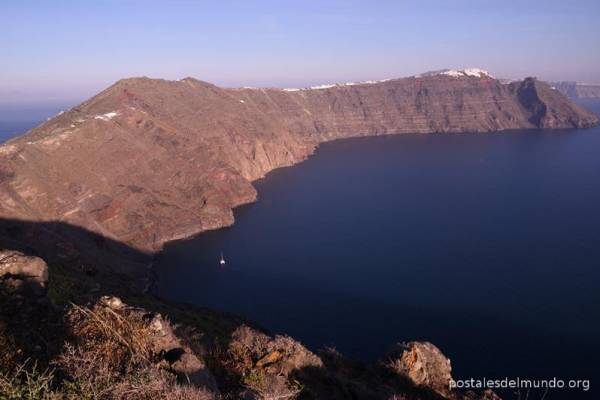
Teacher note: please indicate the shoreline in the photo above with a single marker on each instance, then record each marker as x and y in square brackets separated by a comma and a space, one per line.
[196, 233]
[152, 277]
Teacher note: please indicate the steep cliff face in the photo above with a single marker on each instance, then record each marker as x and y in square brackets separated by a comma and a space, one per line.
[576, 90]
[147, 161]
[548, 108]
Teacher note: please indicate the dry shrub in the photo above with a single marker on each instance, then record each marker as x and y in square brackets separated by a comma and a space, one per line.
[92, 378]
[116, 337]
[29, 383]
[180, 392]
[265, 364]
[277, 392]
[111, 358]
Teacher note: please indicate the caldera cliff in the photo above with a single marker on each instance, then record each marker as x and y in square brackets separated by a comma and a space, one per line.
[147, 160]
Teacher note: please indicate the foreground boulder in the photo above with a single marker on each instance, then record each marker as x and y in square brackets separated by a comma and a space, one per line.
[422, 363]
[22, 274]
[267, 364]
[179, 357]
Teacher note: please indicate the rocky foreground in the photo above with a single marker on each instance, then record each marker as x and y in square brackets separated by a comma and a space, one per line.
[107, 349]
[148, 161]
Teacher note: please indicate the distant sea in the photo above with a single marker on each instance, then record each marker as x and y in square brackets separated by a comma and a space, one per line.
[10, 129]
[18, 119]
[487, 245]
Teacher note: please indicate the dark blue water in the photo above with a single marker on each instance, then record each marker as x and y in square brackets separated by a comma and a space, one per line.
[16, 119]
[488, 245]
[10, 129]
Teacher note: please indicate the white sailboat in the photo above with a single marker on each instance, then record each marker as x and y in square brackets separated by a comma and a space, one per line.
[222, 261]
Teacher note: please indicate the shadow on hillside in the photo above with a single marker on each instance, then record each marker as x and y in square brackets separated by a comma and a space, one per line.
[58, 241]
[84, 266]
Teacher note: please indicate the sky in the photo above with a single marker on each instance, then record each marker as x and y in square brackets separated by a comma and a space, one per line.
[68, 50]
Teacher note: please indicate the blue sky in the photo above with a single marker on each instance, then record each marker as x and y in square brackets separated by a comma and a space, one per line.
[66, 50]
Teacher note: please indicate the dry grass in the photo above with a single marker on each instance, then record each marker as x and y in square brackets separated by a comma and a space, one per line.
[112, 357]
[276, 393]
[110, 333]
[108, 355]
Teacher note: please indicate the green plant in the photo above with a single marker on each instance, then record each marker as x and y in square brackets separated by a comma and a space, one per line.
[27, 384]
[255, 379]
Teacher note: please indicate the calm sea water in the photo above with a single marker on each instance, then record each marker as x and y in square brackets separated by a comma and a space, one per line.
[10, 129]
[16, 119]
[488, 245]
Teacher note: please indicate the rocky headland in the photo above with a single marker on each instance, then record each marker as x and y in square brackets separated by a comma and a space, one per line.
[148, 161]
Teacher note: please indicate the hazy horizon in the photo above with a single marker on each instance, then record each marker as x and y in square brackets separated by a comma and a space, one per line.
[65, 52]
